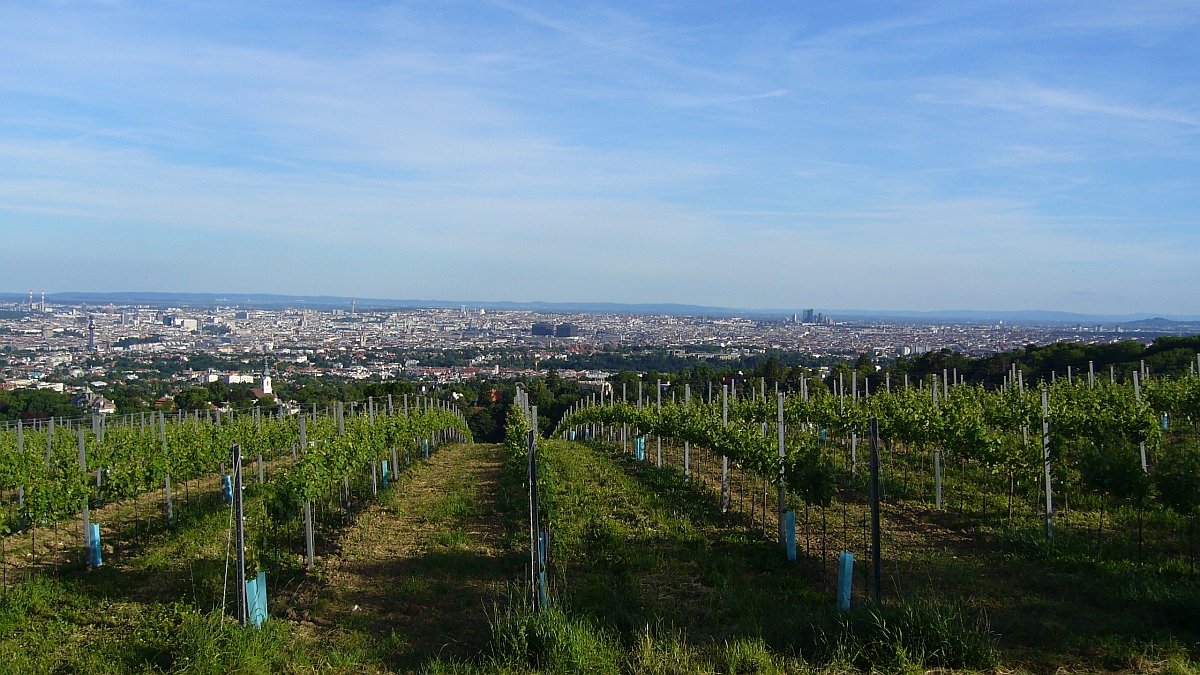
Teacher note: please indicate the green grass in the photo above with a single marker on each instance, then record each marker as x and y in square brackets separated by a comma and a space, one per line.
[647, 576]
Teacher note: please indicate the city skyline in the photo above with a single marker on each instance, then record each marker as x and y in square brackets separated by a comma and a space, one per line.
[983, 157]
[39, 300]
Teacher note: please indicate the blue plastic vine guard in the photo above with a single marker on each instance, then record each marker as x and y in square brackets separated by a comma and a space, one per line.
[256, 600]
[845, 580]
[789, 525]
[93, 545]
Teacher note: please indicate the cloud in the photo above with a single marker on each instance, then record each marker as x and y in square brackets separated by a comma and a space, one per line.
[632, 153]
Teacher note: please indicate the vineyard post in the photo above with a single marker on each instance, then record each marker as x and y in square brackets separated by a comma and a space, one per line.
[937, 479]
[687, 446]
[308, 519]
[87, 524]
[162, 423]
[658, 410]
[876, 554]
[406, 405]
[260, 469]
[624, 425]
[782, 472]
[531, 475]
[390, 412]
[887, 379]
[854, 385]
[724, 458]
[239, 532]
[21, 488]
[1046, 462]
[1137, 390]
[853, 454]
[50, 444]
[1091, 374]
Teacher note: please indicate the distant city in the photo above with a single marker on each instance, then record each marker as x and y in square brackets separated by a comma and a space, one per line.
[81, 347]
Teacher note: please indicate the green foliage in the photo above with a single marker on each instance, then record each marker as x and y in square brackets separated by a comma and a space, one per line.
[1095, 430]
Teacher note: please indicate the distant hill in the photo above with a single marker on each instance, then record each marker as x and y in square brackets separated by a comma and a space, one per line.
[1164, 325]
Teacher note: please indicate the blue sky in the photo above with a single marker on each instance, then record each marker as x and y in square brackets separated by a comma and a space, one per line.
[904, 156]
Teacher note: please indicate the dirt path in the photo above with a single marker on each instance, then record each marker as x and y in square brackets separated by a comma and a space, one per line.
[424, 567]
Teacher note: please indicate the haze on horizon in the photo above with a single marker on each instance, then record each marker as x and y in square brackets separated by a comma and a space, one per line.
[925, 156]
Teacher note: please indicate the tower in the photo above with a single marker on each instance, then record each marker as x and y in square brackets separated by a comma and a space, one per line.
[43, 302]
[266, 379]
[91, 334]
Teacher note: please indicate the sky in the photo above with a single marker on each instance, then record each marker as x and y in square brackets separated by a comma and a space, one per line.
[882, 156]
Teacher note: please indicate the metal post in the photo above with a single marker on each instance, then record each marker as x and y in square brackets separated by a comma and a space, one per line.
[309, 543]
[658, 409]
[535, 558]
[687, 446]
[782, 471]
[162, 422]
[876, 556]
[1046, 463]
[937, 479]
[724, 458]
[239, 533]
[87, 523]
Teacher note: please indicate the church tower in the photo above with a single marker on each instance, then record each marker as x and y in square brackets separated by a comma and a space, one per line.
[266, 380]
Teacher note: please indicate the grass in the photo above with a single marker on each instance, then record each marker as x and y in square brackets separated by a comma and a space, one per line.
[647, 576]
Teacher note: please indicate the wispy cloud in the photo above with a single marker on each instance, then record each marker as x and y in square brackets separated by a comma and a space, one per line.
[630, 152]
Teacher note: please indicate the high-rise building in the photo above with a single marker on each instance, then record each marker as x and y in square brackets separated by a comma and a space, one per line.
[566, 330]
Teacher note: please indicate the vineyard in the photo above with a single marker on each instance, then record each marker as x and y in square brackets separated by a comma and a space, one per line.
[116, 483]
[1105, 444]
[903, 527]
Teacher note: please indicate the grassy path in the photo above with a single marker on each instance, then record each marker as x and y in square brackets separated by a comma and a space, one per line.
[421, 570]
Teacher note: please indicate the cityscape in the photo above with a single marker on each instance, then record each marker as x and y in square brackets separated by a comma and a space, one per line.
[74, 348]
